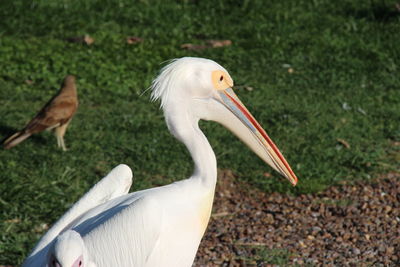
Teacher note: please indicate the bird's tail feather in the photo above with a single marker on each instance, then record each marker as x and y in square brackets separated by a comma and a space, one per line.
[15, 139]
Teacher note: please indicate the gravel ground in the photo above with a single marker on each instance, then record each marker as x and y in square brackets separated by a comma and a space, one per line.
[348, 225]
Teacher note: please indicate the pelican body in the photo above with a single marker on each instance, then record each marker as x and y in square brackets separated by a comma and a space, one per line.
[162, 226]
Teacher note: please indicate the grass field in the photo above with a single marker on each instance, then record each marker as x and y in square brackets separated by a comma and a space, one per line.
[325, 79]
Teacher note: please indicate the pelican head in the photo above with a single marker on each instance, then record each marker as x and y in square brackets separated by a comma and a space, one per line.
[68, 251]
[202, 89]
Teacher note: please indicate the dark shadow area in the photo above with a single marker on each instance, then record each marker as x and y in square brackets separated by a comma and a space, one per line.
[376, 12]
[6, 131]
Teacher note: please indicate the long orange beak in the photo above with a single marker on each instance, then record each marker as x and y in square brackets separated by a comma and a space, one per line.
[264, 147]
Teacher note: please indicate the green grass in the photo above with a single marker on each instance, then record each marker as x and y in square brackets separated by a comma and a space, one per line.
[263, 255]
[345, 84]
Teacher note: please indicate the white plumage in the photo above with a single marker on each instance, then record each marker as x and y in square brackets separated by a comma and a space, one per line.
[161, 226]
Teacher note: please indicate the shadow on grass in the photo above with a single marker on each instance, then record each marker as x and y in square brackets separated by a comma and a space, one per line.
[376, 12]
[6, 132]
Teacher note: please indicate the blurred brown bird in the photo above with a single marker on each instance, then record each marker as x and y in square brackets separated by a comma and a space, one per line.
[56, 114]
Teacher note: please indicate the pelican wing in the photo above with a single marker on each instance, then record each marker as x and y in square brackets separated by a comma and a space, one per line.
[126, 234]
[116, 183]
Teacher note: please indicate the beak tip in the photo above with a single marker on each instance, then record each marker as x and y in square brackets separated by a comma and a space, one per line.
[293, 180]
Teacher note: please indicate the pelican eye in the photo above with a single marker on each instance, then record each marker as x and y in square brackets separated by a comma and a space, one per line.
[220, 80]
[80, 263]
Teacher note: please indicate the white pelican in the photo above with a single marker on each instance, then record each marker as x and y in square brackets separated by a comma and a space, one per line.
[160, 226]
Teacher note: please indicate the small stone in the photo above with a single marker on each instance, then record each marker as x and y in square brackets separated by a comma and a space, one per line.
[381, 248]
[302, 244]
[388, 209]
[356, 251]
[310, 237]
